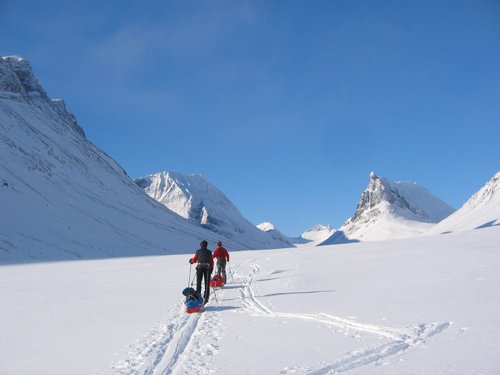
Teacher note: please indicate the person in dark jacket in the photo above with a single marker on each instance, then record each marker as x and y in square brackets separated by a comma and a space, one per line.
[204, 268]
[222, 257]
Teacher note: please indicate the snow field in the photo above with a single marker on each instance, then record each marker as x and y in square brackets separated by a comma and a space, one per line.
[427, 305]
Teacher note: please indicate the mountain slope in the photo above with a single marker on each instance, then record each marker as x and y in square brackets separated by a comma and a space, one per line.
[270, 230]
[61, 196]
[390, 210]
[318, 233]
[195, 199]
[480, 211]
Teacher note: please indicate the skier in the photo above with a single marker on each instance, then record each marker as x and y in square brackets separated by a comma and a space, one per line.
[222, 257]
[204, 268]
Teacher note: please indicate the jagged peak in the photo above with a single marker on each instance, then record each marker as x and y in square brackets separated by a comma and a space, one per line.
[200, 202]
[18, 82]
[182, 181]
[29, 83]
[399, 198]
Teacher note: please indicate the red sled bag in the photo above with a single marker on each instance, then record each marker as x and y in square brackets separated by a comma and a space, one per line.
[217, 281]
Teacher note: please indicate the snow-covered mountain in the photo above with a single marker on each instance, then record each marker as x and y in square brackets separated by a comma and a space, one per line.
[266, 226]
[313, 236]
[63, 198]
[480, 211]
[390, 210]
[270, 230]
[195, 199]
[318, 233]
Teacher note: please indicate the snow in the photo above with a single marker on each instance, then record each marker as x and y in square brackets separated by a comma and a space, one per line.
[391, 210]
[201, 203]
[420, 197]
[422, 305]
[481, 210]
[318, 233]
[426, 305]
[64, 198]
[265, 226]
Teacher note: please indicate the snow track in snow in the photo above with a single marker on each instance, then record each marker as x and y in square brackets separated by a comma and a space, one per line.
[184, 345]
[400, 339]
[159, 350]
[187, 343]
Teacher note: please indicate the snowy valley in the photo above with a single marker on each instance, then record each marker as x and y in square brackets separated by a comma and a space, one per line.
[93, 263]
[427, 305]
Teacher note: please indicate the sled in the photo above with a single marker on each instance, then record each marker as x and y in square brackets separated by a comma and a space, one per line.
[193, 306]
[217, 282]
[194, 301]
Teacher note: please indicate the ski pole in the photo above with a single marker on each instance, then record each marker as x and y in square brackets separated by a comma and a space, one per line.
[215, 295]
[231, 271]
[189, 278]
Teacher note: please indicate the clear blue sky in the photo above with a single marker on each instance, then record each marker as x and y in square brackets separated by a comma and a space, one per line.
[285, 106]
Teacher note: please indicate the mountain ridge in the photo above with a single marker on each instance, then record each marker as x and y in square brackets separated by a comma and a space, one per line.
[62, 197]
[481, 210]
[197, 200]
[388, 210]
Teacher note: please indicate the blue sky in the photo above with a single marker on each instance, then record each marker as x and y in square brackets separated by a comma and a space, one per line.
[285, 106]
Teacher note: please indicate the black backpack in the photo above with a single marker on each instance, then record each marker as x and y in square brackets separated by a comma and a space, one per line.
[204, 257]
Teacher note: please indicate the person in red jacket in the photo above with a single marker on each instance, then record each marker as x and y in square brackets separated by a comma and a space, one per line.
[204, 268]
[222, 257]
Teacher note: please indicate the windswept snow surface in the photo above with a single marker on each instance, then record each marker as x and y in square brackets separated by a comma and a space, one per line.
[426, 305]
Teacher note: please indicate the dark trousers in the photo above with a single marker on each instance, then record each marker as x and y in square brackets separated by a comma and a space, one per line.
[221, 270]
[203, 273]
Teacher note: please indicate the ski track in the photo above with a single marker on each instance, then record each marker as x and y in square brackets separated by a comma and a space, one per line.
[187, 343]
[400, 339]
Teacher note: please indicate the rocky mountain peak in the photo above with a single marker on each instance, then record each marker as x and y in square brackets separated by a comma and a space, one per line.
[380, 190]
[16, 76]
[18, 82]
[404, 199]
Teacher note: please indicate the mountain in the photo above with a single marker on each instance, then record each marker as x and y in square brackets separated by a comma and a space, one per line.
[318, 233]
[266, 226]
[313, 236]
[195, 199]
[389, 210]
[270, 230]
[61, 197]
[480, 211]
